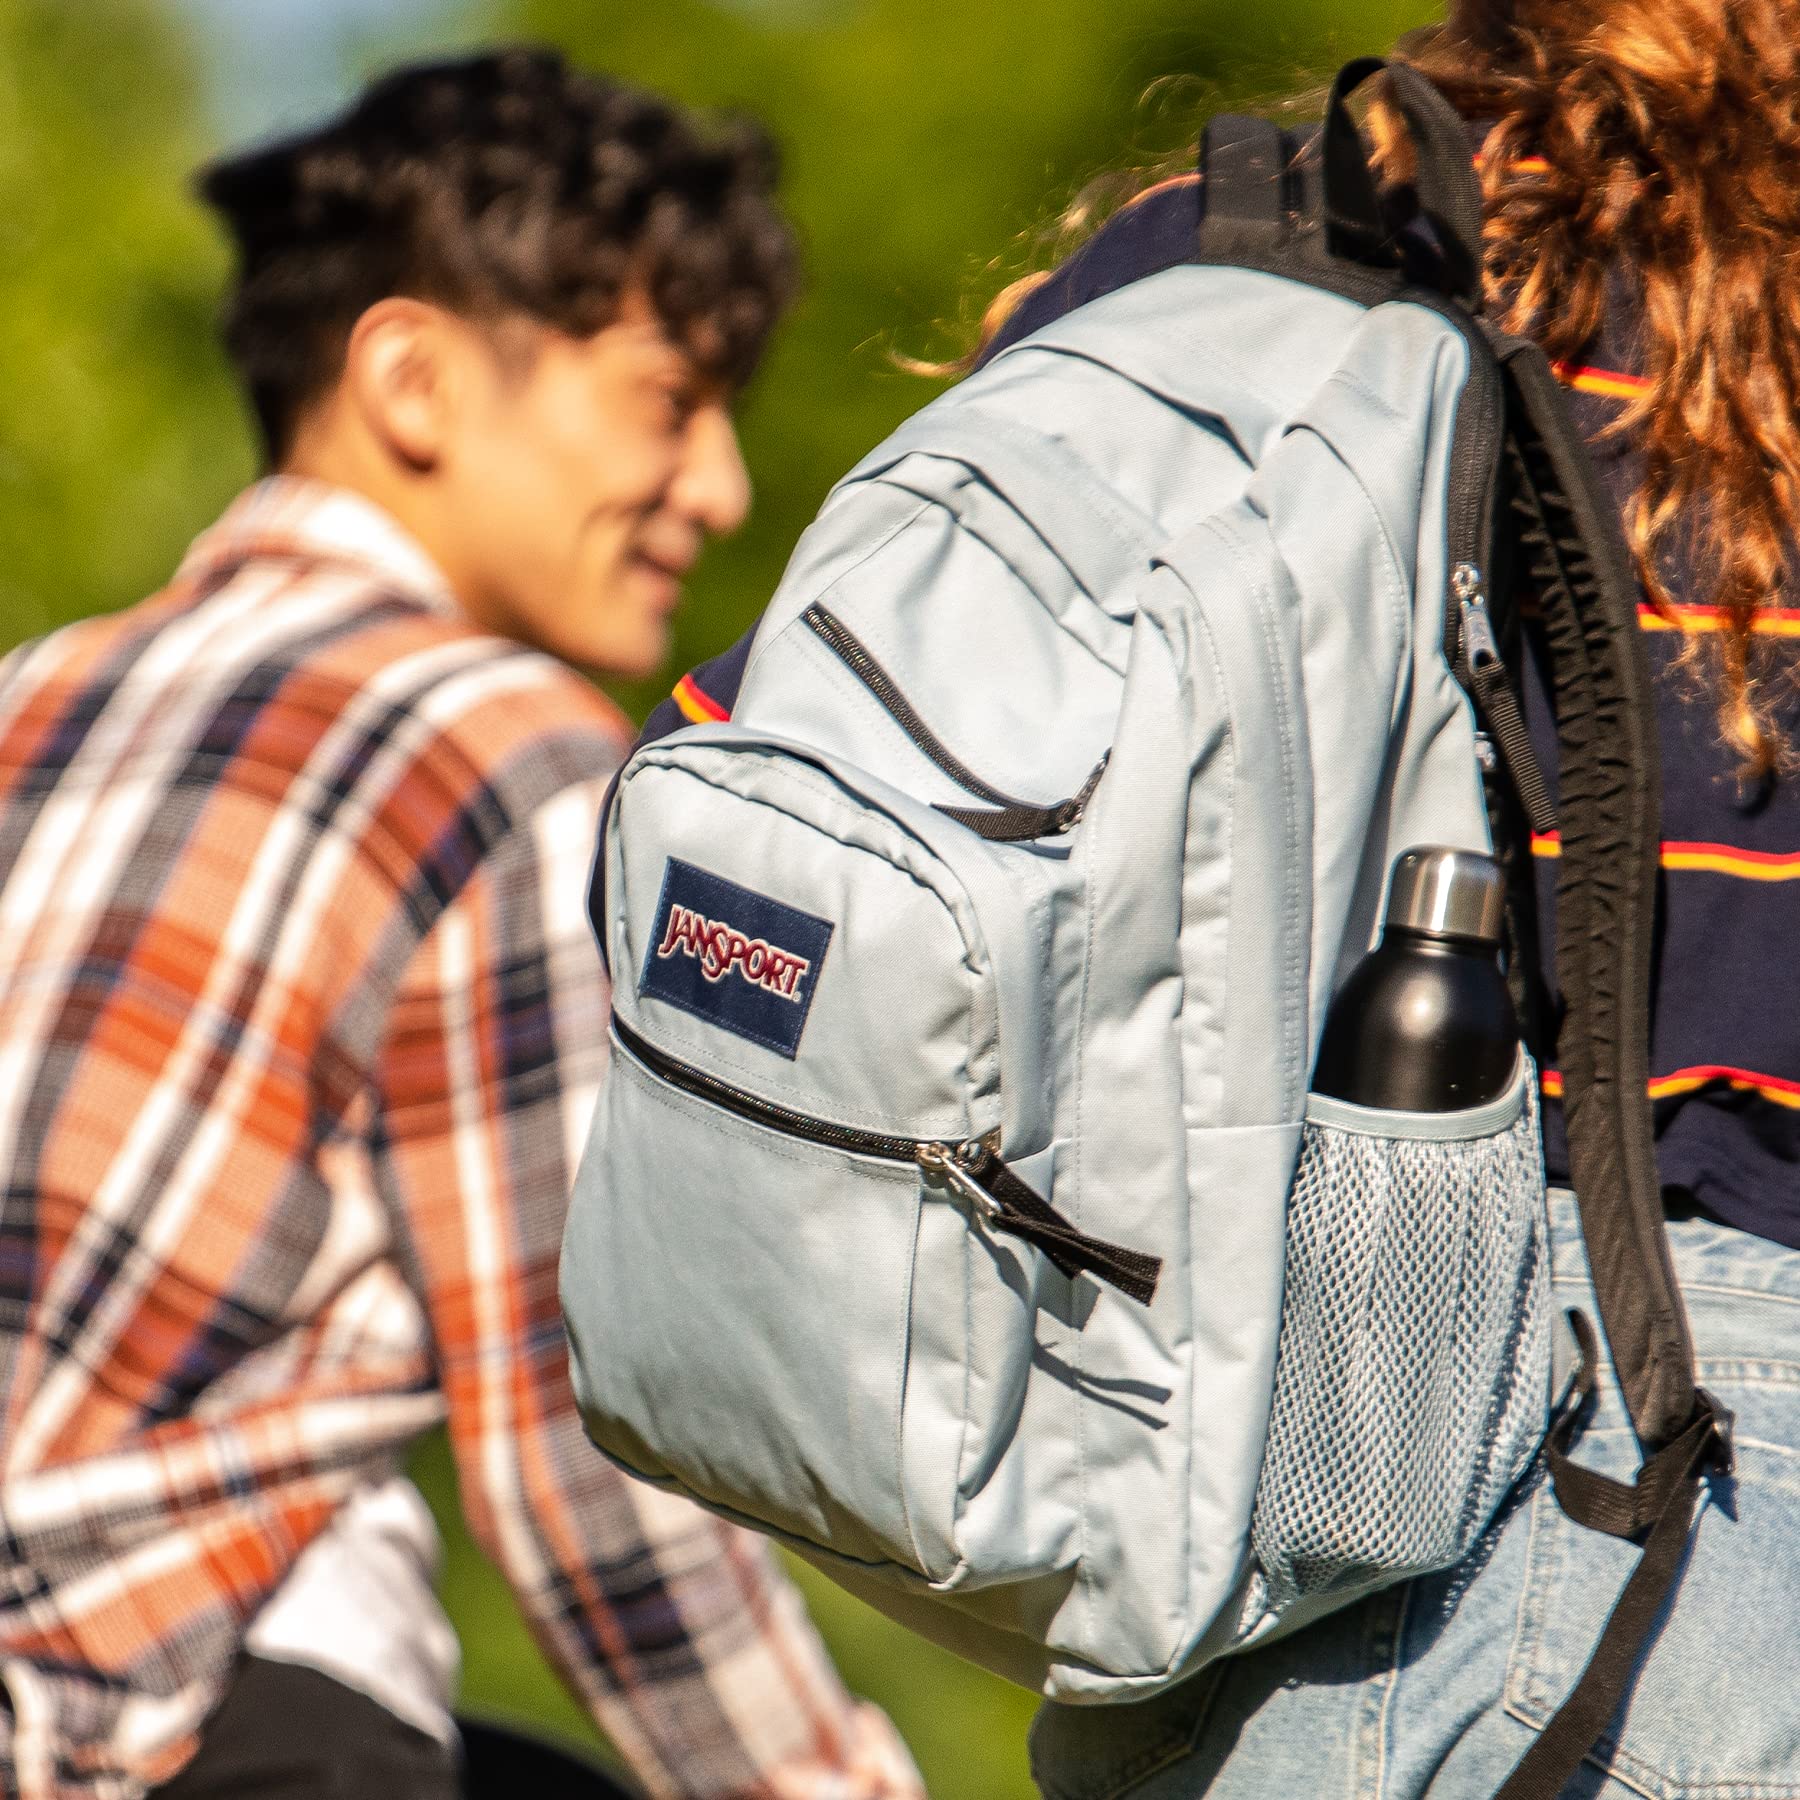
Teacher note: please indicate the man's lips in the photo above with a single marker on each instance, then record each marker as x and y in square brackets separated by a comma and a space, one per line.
[667, 574]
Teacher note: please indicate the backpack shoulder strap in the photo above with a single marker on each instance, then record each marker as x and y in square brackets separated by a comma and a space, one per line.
[1308, 204]
[1248, 211]
[1263, 208]
[1572, 551]
[1315, 211]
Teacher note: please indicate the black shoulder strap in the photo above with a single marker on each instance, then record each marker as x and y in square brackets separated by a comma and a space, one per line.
[1572, 551]
[1444, 186]
[1657, 1512]
[1247, 211]
[1309, 203]
[1316, 212]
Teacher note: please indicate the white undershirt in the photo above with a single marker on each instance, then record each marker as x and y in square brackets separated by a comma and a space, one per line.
[360, 1605]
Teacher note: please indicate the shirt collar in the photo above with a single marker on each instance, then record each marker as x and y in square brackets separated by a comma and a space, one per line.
[290, 516]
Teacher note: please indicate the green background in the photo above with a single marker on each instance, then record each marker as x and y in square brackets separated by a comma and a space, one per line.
[926, 144]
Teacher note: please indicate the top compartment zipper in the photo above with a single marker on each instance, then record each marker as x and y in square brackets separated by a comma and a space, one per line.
[973, 1169]
[1005, 819]
[1483, 675]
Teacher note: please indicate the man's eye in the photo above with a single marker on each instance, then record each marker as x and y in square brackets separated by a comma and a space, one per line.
[677, 400]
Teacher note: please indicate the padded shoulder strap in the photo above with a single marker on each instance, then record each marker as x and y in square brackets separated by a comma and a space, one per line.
[1608, 802]
[1573, 552]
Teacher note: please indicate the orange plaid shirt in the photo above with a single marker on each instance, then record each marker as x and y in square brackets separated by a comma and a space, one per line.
[300, 1027]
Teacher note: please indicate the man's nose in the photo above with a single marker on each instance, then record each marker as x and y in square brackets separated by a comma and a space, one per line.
[713, 487]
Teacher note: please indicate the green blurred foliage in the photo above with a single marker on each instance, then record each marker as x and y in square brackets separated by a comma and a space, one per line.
[119, 431]
[925, 145]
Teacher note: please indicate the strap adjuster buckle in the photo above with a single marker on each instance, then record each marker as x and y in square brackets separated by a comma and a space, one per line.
[1721, 1457]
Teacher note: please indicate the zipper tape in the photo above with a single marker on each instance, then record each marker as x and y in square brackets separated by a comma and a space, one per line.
[1011, 820]
[1484, 675]
[974, 1169]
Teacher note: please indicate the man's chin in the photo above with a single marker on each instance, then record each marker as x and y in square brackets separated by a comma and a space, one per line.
[633, 657]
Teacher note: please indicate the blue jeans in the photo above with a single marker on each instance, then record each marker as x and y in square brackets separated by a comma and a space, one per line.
[1437, 1688]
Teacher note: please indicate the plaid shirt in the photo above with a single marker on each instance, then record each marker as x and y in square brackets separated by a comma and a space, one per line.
[300, 1027]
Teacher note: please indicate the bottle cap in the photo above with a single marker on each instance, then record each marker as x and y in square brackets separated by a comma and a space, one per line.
[1447, 893]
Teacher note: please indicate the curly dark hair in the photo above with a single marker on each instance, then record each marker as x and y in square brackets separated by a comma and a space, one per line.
[497, 185]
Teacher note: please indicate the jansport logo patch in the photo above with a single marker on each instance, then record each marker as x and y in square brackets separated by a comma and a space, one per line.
[721, 949]
[734, 957]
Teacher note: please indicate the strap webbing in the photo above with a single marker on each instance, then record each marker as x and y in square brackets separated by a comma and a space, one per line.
[1660, 1506]
[1243, 159]
[1356, 224]
[1019, 823]
[1011, 824]
[1026, 1215]
[1244, 213]
[1500, 712]
[1444, 184]
[1573, 553]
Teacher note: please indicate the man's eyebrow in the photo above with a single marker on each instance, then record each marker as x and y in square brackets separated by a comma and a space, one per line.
[656, 343]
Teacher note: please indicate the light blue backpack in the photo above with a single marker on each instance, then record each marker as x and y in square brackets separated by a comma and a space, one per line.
[955, 1208]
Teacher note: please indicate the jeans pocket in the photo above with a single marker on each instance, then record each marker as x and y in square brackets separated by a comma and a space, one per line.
[1109, 1752]
[1715, 1708]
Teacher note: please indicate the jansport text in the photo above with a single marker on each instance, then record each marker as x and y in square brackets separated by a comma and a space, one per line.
[720, 949]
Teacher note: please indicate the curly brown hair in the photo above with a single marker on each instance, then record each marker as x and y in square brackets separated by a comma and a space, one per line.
[498, 185]
[1659, 140]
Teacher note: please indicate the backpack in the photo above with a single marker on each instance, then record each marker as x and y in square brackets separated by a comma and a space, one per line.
[955, 1208]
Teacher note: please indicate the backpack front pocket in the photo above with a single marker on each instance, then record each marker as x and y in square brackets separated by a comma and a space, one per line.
[1412, 1376]
[807, 1293]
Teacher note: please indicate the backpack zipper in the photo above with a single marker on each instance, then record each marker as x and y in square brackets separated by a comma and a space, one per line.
[1471, 645]
[1483, 675]
[1011, 820]
[972, 1168]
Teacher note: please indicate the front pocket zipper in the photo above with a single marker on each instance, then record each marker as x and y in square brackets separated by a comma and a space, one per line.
[973, 1169]
[1004, 819]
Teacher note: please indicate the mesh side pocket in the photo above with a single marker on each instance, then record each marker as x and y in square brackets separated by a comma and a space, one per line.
[1412, 1378]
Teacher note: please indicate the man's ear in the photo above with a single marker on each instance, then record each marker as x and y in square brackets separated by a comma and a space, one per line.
[402, 373]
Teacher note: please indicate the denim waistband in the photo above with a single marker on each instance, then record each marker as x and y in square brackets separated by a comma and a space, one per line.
[1741, 1292]
[1707, 1255]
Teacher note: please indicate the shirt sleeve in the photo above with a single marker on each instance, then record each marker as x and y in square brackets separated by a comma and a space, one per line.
[680, 1634]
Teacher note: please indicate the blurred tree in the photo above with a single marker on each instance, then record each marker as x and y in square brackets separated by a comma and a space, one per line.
[119, 432]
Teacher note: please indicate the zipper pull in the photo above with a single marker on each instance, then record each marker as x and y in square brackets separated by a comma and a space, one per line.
[975, 1170]
[1485, 677]
[949, 1163]
[1019, 823]
[1069, 814]
[1480, 646]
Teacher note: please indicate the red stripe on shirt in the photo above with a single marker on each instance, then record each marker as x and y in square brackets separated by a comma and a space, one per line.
[698, 705]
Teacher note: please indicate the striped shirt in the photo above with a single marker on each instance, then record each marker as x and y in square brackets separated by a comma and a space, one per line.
[1725, 1027]
[300, 1027]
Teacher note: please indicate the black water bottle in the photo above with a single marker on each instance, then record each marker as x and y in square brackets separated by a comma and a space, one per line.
[1425, 1022]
